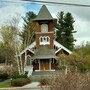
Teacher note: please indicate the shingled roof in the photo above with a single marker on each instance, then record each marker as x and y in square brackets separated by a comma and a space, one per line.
[44, 14]
[44, 53]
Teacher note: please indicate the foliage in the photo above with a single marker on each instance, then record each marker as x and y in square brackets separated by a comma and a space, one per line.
[28, 33]
[83, 53]
[8, 41]
[6, 57]
[70, 81]
[3, 76]
[74, 62]
[19, 76]
[65, 30]
[61, 62]
[10, 44]
[44, 81]
[20, 81]
[83, 50]
[8, 69]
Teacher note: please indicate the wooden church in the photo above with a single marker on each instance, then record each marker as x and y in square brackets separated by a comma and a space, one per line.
[42, 53]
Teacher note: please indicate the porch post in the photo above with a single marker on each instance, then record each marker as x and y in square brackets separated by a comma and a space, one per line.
[39, 63]
[50, 64]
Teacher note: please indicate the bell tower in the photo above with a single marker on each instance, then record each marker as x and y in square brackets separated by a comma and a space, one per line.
[45, 34]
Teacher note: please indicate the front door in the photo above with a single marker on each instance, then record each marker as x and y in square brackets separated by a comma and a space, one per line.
[44, 64]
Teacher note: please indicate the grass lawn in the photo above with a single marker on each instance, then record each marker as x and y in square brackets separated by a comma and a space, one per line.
[5, 85]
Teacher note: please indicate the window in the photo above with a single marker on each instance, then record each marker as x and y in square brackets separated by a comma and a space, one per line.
[41, 39]
[44, 28]
[28, 60]
[44, 40]
[48, 39]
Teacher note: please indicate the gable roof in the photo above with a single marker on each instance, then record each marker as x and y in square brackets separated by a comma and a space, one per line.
[61, 47]
[44, 14]
[29, 48]
[44, 53]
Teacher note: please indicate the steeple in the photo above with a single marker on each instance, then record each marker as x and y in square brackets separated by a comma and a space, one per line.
[44, 14]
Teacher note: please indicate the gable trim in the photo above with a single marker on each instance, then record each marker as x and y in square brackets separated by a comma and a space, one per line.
[61, 47]
[29, 48]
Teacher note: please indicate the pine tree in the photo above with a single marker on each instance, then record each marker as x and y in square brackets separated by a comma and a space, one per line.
[65, 30]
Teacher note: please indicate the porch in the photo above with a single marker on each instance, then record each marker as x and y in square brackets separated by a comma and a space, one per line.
[44, 64]
[44, 59]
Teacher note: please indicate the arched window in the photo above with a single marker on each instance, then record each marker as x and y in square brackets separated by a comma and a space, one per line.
[48, 39]
[28, 60]
[43, 40]
[44, 28]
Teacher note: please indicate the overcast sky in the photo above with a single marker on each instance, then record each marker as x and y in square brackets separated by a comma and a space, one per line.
[81, 14]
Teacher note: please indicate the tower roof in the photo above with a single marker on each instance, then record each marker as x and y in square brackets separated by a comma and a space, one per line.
[44, 14]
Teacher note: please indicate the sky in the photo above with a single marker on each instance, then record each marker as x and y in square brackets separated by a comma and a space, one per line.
[81, 15]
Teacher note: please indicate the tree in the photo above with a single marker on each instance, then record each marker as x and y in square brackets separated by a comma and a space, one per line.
[7, 46]
[65, 30]
[28, 33]
[10, 45]
[83, 50]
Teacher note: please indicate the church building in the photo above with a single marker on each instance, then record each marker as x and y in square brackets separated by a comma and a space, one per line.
[42, 53]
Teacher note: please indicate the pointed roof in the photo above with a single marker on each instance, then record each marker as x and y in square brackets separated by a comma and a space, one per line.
[44, 14]
[44, 53]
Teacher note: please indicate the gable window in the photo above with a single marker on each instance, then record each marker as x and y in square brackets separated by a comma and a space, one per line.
[44, 28]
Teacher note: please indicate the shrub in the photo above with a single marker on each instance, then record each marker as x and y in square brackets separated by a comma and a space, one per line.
[19, 76]
[44, 81]
[20, 81]
[4, 76]
[70, 81]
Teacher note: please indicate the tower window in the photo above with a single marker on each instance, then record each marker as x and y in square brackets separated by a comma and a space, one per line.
[41, 39]
[44, 28]
[48, 39]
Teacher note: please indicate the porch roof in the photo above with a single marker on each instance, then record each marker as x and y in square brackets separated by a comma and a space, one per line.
[44, 53]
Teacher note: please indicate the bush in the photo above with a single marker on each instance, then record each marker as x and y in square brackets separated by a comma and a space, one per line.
[18, 76]
[44, 81]
[20, 81]
[70, 81]
[4, 76]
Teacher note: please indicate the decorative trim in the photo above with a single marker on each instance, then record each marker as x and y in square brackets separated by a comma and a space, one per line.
[61, 47]
[29, 48]
[44, 33]
[55, 43]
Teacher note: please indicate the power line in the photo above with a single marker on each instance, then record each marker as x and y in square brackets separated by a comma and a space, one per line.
[58, 3]
[46, 2]
[16, 2]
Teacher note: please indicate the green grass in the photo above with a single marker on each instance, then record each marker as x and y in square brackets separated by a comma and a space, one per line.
[5, 85]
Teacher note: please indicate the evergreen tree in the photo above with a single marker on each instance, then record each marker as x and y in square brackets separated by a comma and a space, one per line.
[65, 30]
[28, 33]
